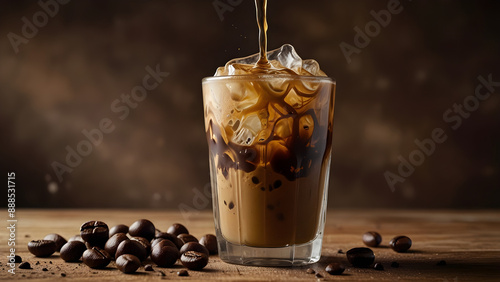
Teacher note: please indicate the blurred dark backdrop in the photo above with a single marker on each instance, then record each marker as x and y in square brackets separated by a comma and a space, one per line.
[395, 90]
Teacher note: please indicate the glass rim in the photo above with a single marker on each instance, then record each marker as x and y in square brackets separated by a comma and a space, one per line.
[261, 77]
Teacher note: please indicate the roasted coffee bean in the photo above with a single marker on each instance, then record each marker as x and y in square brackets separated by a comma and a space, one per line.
[182, 273]
[128, 263]
[310, 271]
[177, 229]
[209, 241]
[25, 265]
[96, 258]
[132, 247]
[186, 238]
[144, 242]
[113, 242]
[194, 246]
[58, 239]
[194, 260]
[165, 254]
[142, 228]
[72, 251]
[120, 228]
[163, 242]
[18, 259]
[360, 257]
[395, 264]
[42, 248]
[76, 238]
[95, 233]
[372, 239]
[178, 242]
[378, 266]
[400, 244]
[335, 268]
[148, 267]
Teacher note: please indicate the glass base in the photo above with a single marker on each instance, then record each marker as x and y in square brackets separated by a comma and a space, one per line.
[295, 255]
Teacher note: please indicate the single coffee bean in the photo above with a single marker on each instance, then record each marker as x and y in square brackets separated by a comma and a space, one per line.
[76, 238]
[177, 229]
[72, 251]
[400, 244]
[209, 241]
[132, 247]
[148, 267]
[165, 254]
[144, 242]
[360, 257]
[178, 242]
[372, 239]
[120, 228]
[335, 268]
[142, 228]
[18, 259]
[113, 242]
[186, 238]
[395, 264]
[128, 263]
[96, 258]
[340, 251]
[58, 239]
[182, 273]
[45, 269]
[310, 271]
[194, 246]
[95, 233]
[25, 265]
[378, 266]
[42, 248]
[163, 242]
[194, 260]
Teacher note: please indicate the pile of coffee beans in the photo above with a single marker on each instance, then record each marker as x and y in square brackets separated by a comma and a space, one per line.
[130, 247]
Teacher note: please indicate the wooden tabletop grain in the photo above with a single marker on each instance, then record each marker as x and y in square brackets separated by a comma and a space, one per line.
[468, 241]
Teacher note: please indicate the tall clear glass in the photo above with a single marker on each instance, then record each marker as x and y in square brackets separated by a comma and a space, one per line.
[270, 139]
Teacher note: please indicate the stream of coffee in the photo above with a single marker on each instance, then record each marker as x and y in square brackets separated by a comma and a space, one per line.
[261, 9]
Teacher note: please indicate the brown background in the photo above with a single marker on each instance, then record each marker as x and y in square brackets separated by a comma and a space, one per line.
[395, 91]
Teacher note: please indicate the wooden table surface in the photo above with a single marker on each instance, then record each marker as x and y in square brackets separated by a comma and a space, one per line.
[469, 242]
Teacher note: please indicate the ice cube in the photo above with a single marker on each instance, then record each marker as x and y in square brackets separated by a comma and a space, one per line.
[247, 131]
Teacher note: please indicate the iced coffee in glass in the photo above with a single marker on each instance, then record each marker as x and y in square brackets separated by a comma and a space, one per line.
[269, 135]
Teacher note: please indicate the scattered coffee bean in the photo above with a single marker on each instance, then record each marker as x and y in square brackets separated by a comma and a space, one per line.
[58, 239]
[76, 238]
[340, 251]
[45, 269]
[144, 242]
[335, 268]
[165, 254]
[132, 247]
[194, 246]
[96, 258]
[194, 260]
[360, 257]
[113, 242]
[128, 263]
[318, 275]
[378, 266]
[400, 244]
[310, 271]
[24, 265]
[148, 267]
[42, 248]
[17, 259]
[441, 263]
[72, 251]
[209, 241]
[177, 229]
[182, 272]
[142, 228]
[63, 274]
[395, 264]
[372, 239]
[164, 235]
[95, 233]
[186, 238]
[120, 228]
